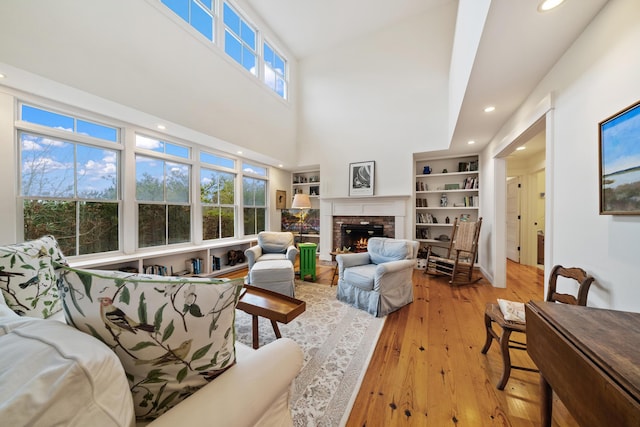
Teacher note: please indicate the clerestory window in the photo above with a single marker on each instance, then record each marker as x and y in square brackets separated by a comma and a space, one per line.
[275, 70]
[239, 39]
[198, 13]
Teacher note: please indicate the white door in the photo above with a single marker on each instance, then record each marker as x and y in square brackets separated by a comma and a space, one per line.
[513, 219]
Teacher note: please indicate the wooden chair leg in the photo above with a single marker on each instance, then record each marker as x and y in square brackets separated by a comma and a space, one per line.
[488, 330]
[506, 358]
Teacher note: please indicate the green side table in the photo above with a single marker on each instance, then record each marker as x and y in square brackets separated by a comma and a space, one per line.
[307, 260]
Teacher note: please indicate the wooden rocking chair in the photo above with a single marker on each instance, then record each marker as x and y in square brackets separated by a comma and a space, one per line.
[461, 255]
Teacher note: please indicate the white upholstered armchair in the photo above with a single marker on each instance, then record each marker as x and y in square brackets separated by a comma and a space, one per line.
[379, 280]
[272, 245]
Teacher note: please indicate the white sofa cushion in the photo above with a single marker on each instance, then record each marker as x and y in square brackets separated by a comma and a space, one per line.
[52, 374]
[29, 276]
[172, 334]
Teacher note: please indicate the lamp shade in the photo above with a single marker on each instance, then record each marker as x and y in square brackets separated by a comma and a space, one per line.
[301, 201]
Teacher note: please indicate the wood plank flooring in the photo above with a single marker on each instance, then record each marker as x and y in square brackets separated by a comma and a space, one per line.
[427, 369]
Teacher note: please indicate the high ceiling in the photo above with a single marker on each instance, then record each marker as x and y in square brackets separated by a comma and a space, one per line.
[519, 46]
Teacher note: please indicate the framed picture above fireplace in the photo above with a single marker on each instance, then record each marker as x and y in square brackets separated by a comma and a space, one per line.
[361, 178]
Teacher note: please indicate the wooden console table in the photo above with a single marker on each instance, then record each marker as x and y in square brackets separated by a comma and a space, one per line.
[271, 305]
[591, 358]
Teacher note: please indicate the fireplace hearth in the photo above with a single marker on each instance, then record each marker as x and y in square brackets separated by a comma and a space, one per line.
[356, 236]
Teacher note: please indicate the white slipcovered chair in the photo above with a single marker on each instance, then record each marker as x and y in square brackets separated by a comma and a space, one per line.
[273, 258]
[379, 280]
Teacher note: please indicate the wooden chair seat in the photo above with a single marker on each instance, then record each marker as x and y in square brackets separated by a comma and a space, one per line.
[493, 315]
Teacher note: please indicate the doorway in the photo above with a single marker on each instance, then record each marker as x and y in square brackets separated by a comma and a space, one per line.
[526, 198]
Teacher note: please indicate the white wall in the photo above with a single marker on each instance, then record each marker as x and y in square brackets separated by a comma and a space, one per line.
[380, 98]
[141, 55]
[597, 77]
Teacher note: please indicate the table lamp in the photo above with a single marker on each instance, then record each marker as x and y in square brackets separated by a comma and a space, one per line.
[301, 202]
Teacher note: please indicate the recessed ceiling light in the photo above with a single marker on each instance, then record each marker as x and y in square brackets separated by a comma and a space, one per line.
[161, 127]
[471, 142]
[239, 152]
[2, 76]
[280, 165]
[489, 109]
[546, 5]
[520, 148]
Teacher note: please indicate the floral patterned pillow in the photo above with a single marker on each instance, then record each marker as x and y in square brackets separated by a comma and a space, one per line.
[172, 334]
[28, 276]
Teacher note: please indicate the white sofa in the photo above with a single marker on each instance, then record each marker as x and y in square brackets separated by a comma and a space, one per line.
[54, 374]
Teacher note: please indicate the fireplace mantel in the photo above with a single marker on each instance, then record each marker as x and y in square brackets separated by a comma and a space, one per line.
[368, 206]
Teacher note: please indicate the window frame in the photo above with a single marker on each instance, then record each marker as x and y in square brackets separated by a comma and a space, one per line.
[284, 74]
[165, 158]
[76, 139]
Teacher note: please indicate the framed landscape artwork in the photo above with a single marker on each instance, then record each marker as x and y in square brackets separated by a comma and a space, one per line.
[361, 178]
[620, 163]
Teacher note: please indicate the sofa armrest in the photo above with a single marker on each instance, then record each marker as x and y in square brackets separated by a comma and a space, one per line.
[292, 252]
[252, 254]
[392, 274]
[393, 266]
[351, 260]
[241, 395]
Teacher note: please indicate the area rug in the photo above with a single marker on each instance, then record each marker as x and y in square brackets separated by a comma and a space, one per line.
[337, 340]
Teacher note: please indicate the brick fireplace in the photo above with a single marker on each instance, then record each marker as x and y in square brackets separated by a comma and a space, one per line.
[353, 231]
[389, 211]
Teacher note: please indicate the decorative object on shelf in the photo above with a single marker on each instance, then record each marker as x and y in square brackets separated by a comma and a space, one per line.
[281, 199]
[302, 203]
[426, 170]
[235, 257]
[620, 182]
[443, 201]
[445, 171]
[447, 220]
[361, 178]
[452, 186]
[314, 190]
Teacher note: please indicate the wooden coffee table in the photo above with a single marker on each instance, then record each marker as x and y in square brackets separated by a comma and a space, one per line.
[270, 305]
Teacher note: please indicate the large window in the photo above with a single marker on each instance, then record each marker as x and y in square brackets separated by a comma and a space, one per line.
[254, 195]
[275, 71]
[162, 192]
[239, 39]
[199, 13]
[69, 188]
[217, 194]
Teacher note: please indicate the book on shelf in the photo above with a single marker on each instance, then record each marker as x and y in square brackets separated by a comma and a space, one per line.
[470, 183]
[158, 270]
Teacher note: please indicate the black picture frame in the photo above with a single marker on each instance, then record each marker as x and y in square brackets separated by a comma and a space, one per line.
[362, 178]
[619, 162]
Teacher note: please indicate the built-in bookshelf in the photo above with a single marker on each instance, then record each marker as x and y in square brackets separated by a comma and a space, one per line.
[308, 182]
[203, 260]
[445, 189]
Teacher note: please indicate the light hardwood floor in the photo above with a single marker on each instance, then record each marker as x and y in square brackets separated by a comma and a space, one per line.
[427, 369]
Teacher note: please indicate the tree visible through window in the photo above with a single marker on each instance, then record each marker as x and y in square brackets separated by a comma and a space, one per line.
[162, 192]
[69, 189]
[217, 194]
[255, 210]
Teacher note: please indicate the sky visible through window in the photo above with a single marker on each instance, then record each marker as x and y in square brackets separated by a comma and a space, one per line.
[57, 168]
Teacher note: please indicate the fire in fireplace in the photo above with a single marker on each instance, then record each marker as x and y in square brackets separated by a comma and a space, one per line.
[356, 236]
